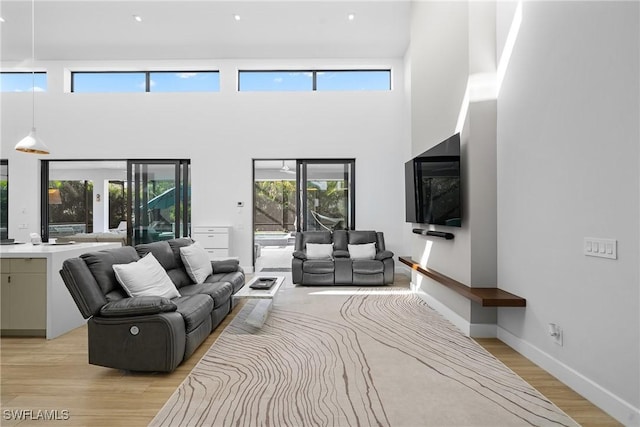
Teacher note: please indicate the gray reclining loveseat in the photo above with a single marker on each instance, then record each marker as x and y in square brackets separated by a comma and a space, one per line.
[148, 333]
[341, 257]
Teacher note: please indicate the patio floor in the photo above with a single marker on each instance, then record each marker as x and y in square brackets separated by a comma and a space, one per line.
[272, 257]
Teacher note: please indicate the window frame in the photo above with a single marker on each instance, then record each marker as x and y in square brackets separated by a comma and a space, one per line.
[314, 77]
[147, 78]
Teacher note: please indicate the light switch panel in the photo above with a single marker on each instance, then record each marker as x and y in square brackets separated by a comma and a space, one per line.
[603, 248]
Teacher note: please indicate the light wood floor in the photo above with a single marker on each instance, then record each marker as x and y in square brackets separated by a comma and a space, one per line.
[38, 374]
[578, 408]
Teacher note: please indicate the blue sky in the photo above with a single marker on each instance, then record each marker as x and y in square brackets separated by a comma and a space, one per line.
[22, 82]
[325, 80]
[160, 81]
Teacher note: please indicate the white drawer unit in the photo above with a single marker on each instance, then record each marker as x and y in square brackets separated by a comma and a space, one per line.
[214, 239]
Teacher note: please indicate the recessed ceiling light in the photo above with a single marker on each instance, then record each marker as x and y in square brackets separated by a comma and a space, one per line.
[236, 17]
[137, 18]
[351, 16]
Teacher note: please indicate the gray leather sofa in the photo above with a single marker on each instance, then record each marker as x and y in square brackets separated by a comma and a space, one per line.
[340, 267]
[148, 333]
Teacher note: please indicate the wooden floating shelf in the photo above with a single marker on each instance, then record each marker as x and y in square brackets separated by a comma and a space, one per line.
[486, 297]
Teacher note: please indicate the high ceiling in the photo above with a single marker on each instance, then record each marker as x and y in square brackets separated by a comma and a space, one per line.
[107, 30]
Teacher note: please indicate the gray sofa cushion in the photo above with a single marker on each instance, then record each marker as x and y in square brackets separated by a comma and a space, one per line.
[101, 265]
[168, 254]
[318, 266]
[384, 255]
[179, 277]
[83, 287]
[236, 279]
[220, 292]
[312, 237]
[360, 237]
[230, 265]
[137, 306]
[161, 250]
[367, 266]
[340, 242]
[194, 309]
[176, 244]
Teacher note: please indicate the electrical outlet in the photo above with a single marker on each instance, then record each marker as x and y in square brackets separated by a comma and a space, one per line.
[555, 332]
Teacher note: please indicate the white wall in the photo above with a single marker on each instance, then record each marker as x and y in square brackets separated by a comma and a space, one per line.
[449, 42]
[439, 61]
[568, 168]
[220, 133]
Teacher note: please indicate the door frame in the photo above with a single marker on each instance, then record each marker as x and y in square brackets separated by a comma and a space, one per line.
[301, 196]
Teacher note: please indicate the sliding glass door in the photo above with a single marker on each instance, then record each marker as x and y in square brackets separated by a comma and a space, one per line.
[159, 200]
[297, 195]
[326, 194]
[132, 201]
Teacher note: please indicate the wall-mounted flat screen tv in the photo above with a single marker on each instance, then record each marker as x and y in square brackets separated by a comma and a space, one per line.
[432, 185]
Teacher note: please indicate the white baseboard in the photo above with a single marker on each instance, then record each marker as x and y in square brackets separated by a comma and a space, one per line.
[453, 317]
[483, 330]
[619, 409]
[474, 330]
[402, 269]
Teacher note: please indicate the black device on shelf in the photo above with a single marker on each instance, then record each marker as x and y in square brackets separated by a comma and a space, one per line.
[263, 283]
[434, 233]
[432, 185]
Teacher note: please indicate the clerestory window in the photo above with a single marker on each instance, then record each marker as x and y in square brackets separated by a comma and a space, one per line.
[23, 81]
[313, 80]
[144, 81]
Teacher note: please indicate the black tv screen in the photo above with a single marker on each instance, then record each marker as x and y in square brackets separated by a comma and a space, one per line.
[432, 185]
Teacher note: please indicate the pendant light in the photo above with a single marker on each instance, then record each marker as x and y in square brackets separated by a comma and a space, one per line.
[31, 143]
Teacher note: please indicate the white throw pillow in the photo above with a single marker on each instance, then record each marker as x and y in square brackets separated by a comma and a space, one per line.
[363, 251]
[319, 250]
[196, 262]
[145, 277]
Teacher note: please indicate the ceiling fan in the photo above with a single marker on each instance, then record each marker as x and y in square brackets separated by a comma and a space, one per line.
[286, 169]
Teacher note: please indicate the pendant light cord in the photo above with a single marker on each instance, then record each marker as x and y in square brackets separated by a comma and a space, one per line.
[33, 61]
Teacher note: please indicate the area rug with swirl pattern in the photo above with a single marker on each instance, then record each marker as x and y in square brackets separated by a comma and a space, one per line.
[349, 356]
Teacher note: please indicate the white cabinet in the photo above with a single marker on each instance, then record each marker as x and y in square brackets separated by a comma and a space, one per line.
[24, 296]
[214, 239]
